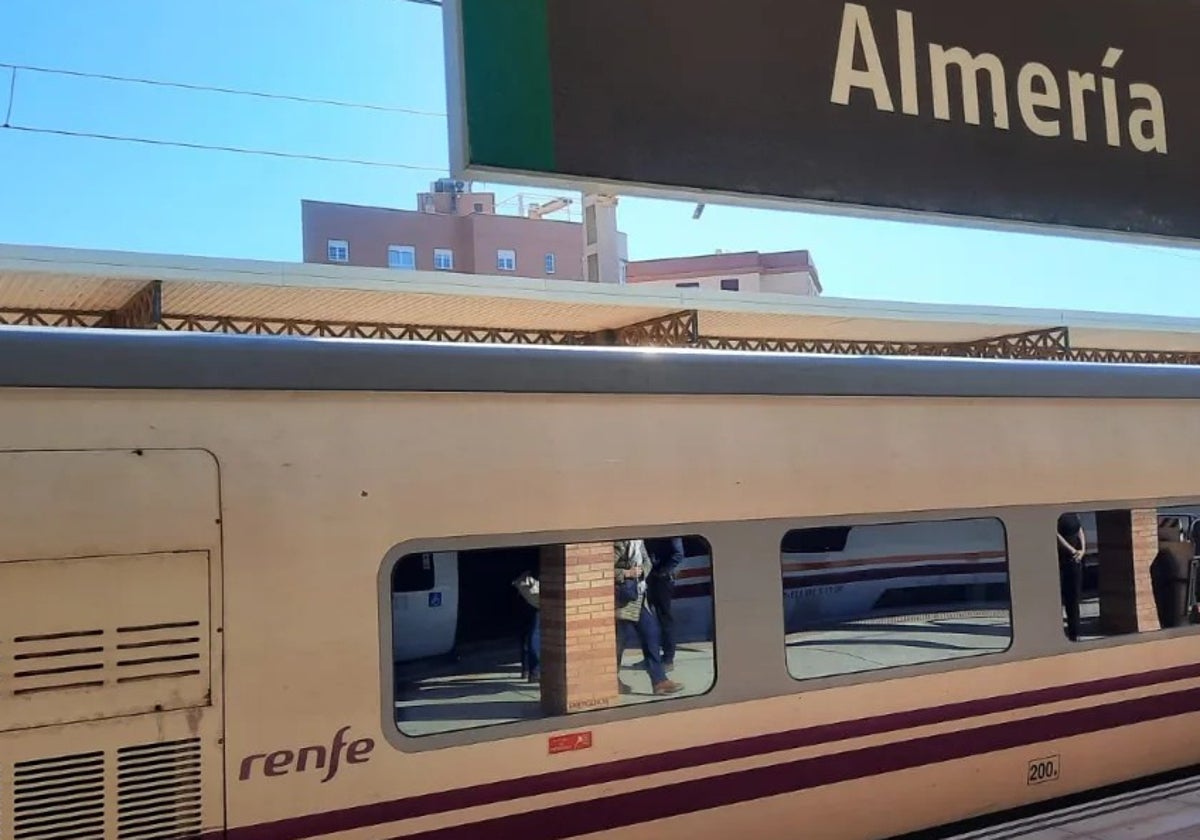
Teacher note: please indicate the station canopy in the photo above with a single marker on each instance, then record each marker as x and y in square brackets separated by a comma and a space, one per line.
[53, 287]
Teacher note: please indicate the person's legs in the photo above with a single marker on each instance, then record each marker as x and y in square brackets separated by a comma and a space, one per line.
[660, 591]
[648, 634]
[535, 646]
[1071, 583]
[625, 629]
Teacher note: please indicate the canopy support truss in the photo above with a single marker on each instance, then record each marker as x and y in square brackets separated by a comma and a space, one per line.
[144, 310]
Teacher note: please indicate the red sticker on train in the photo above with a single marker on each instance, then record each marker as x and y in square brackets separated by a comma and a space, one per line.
[570, 743]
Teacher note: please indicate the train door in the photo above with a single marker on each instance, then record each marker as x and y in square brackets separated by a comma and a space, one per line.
[424, 605]
[110, 645]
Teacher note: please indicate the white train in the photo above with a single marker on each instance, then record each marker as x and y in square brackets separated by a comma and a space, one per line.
[200, 618]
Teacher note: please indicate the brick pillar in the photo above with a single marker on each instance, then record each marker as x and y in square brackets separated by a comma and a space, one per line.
[1128, 543]
[579, 651]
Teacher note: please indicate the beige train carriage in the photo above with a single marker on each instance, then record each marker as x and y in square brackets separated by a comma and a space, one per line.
[199, 533]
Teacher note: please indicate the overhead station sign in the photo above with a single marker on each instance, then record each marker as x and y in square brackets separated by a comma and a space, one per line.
[1078, 114]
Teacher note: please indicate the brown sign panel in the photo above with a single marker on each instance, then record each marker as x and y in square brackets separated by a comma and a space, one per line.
[1082, 114]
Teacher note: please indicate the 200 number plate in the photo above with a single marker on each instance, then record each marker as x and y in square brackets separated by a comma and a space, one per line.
[1042, 770]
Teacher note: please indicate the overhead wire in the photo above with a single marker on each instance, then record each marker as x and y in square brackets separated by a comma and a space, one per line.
[141, 80]
[15, 68]
[12, 96]
[182, 144]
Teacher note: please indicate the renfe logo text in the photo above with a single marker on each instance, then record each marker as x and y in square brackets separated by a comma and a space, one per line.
[316, 757]
[1039, 92]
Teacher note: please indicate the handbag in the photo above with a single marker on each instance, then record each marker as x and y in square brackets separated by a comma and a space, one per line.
[627, 591]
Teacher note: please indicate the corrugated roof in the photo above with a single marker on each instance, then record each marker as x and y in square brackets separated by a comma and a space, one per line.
[75, 280]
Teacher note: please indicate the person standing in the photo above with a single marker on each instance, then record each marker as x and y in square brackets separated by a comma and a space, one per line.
[1071, 547]
[635, 618]
[530, 590]
[667, 555]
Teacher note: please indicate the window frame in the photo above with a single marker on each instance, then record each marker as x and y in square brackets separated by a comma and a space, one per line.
[544, 725]
[402, 250]
[550, 264]
[343, 245]
[438, 254]
[889, 671]
[506, 260]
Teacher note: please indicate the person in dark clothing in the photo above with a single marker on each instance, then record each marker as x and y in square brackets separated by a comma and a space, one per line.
[530, 590]
[667, 555]
[1071, 547]
[1169, 583]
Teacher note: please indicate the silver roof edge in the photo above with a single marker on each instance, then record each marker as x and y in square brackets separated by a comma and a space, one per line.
[67, 358]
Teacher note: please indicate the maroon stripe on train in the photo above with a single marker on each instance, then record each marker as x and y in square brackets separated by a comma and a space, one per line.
[696, 590]
[378, 813]
[609, 812]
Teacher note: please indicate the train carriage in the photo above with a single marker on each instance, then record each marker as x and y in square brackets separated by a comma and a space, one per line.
[200, 615]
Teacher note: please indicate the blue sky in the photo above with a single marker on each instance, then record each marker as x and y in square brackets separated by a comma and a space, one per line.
[88, 193]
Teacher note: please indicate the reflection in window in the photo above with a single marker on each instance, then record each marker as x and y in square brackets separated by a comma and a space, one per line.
[496, 635]
[414, 573]
[1125, 571]
[864, 597]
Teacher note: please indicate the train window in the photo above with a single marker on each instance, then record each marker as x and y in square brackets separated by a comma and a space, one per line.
[1124, 571]
[512, 633]
[864, 597]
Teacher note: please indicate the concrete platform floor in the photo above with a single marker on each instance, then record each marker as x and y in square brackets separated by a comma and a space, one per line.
[484, 687]
[873, 643]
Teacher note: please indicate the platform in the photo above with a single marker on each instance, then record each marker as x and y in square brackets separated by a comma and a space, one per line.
[485, 688]
[1168, 811]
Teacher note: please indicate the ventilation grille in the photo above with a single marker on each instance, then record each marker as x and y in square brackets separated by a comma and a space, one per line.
[57, 661]
[73, 659]
[59, 798]
[158, 791]
[101, 637]
[158, 651]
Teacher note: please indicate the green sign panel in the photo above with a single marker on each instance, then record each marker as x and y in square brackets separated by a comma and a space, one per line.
[1074, 115]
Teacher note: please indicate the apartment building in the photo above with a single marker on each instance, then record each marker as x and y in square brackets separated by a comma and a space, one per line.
[452, 230]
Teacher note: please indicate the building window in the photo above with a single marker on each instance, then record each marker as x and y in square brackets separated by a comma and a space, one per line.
[864, 597]
[402, 256]
[443, 259]
[478, 207]
[551, 264]
[506, 260]
[730, 285]
[490, 601]
[687, 285]
[338, 250]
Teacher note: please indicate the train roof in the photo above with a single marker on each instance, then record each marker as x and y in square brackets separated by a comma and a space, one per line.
[136, 359]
